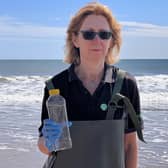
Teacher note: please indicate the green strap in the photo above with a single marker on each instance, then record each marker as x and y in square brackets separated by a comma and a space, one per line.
[118, 82]
[131, 112]
[49, 84]
[117, 88]
[116, 97]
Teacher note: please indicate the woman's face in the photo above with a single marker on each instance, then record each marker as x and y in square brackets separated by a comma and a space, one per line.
[96, 49]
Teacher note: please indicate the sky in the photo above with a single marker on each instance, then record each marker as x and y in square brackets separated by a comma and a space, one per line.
[36, 29]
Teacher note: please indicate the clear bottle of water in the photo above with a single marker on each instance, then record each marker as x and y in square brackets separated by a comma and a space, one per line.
[56, 106]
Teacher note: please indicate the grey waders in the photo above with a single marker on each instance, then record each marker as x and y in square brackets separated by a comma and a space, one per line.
[97, 144]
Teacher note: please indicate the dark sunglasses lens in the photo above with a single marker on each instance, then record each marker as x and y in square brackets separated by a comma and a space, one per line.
[89, 35]
[105, 35]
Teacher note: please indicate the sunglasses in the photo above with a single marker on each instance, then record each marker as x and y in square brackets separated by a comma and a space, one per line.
[90, 35]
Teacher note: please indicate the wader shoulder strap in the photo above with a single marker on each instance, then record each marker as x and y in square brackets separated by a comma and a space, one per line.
[49, 84]
[118, 83]
[112, 106]
[116, 97]
[132, 113]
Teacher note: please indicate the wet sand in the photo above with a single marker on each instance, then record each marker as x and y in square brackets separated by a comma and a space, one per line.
[35, 159]
[20, 159]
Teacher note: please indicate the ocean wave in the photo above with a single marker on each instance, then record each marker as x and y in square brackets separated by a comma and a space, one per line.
[21, 89]
[3, 80]
[153, 83]
[19, 78]
[29, 89]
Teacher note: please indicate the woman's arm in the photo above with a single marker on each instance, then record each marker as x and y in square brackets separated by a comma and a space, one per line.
[131, 150]
[42, 147]
[44, 115]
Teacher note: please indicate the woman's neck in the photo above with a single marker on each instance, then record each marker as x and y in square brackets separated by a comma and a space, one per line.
[90, 72]
[90, 76]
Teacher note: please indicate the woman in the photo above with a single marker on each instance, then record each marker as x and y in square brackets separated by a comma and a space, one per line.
[92, 45]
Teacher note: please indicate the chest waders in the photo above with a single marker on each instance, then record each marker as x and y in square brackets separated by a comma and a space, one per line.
[100, 143]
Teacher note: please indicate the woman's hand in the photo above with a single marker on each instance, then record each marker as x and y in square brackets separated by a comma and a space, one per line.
[52, 132]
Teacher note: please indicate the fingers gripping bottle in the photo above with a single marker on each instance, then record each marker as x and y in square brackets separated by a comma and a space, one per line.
[56, 106]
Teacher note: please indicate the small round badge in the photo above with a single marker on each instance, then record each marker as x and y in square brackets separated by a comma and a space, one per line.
[103, 107]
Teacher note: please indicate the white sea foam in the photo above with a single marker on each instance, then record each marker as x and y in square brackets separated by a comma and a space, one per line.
[21, 89]
[159, 140]
[5, 148]
[153, 91]
[23, 150]
[29, 89]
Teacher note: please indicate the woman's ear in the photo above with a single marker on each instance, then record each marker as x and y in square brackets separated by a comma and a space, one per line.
[75, 40]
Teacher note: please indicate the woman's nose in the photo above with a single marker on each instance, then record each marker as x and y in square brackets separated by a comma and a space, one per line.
[97, 38]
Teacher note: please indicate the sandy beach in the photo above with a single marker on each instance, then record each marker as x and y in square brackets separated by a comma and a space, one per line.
[20, 159]
[35, 159]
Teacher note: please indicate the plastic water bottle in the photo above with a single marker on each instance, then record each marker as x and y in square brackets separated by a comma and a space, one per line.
[56, 106]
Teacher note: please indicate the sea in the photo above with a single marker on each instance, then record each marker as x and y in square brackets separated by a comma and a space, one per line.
[21, 92]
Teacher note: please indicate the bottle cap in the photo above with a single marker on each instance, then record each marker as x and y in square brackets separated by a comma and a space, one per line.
[54, 92]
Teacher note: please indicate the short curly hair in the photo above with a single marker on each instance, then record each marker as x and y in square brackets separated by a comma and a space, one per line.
[72, 53]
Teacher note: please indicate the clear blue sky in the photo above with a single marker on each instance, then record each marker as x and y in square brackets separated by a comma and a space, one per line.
[35, 29]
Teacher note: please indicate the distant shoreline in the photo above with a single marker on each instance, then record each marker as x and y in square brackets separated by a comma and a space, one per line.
[54, 66]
